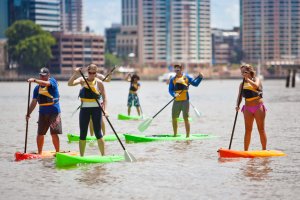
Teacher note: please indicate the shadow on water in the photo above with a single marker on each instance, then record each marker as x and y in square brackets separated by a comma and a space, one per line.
[257, 169]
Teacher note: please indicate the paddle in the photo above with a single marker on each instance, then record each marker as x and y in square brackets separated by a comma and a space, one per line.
[26, 132]
[236, 114]
[198, 114]
[145, 124]
[107, 75]
[128, 156]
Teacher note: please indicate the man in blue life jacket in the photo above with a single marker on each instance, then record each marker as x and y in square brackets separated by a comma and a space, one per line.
[178, 88]
[47, 95]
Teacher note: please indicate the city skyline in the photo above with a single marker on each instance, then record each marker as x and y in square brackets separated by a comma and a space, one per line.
[224, 14]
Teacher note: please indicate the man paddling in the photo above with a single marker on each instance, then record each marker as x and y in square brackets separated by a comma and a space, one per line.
[178, 87]
[47, 95]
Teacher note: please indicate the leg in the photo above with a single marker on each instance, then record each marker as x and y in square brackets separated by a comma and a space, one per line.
[40, 143]
[55, 129]
[249, 118]
[176, 109]
[138, 110]
[103, 127]
[129, 103]
[97, 119]
[43, 126]
[185, 113]
[129, 110]
[91, 127]
[55, 141]
[259, 116]
[84, 118]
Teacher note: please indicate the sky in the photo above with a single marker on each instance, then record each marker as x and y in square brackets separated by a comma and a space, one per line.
[100, 14]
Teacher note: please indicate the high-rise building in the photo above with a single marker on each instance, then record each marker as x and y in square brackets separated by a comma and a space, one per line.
[72, 15]
[111, 38]
[175, 31]
[3, 17]
[46, 13]
[127, 39]
[76, 50]
[226, 47]
[270, 30]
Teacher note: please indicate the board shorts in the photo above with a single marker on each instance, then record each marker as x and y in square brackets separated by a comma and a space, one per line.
[133, 99]
[179, 106]
[49, 120]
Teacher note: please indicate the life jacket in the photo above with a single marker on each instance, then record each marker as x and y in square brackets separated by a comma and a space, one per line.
[181, 87]
[250, 93]
[44, 98]
[133, 87]
[87, 95]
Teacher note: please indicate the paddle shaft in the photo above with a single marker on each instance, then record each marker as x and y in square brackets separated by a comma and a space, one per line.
[111, 71]
[104, 113]
[26, 132]
[236, 114]
[172, 99]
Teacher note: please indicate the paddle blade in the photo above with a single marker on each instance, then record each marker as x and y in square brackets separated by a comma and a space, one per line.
[145, 124]
[198, 114]
[129, 157]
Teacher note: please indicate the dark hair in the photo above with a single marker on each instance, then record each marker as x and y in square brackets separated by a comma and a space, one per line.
[133, 77]
[178, 65]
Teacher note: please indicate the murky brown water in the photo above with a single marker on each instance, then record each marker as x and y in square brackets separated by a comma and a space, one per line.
[168, 170]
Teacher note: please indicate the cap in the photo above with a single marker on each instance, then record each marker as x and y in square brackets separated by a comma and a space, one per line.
[44, 71]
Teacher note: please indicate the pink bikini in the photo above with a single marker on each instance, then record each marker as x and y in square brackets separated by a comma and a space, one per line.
[253, 109]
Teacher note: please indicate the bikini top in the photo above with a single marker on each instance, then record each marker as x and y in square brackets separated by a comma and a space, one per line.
[250, 93]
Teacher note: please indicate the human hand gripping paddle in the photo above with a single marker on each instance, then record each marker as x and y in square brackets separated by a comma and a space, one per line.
[236, 114]
[145, 124]
[128, 156]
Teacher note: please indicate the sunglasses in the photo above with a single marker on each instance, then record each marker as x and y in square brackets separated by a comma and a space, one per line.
[92, 72]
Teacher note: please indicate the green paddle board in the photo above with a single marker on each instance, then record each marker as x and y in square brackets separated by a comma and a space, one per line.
[128, 117]
[165, 137]
[75, 138]
[64, 160]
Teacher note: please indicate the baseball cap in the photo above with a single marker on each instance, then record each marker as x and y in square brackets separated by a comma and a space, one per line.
[44, 71]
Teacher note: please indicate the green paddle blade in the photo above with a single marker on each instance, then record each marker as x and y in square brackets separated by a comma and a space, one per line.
[129, 157]
[145, 124]
[198, 114]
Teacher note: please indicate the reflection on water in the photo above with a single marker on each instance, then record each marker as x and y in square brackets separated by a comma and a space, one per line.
[95, 175]
[257, 169]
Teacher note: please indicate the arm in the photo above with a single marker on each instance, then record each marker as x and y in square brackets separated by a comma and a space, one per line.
[73, 79]
[256, 84]
[102, 91]
[238, 100]
[196, 82]
[31, 108]
[128, 78]
[171, 88]
[40, 82]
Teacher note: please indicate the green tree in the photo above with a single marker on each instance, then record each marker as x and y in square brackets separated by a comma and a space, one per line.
[111, 60]
[28, 45]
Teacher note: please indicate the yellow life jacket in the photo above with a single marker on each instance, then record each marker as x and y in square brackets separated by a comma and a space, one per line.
[181, 87]
[133, 87]
[250, 93]
[44, 97]
[87, 95]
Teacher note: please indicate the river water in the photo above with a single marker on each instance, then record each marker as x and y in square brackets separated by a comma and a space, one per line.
[165, 170]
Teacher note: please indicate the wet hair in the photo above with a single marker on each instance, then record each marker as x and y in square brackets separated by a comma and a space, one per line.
[92, 67]
[133, 77]
[249, 68]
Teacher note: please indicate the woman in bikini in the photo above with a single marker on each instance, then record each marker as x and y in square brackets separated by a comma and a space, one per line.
[254, 107]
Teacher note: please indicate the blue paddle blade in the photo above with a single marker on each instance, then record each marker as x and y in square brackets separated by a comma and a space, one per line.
[145, 124]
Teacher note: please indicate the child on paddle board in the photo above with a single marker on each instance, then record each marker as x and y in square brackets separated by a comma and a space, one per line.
[47, 96]
[90, 108]
[178, 87]
[133, 98]
[254, 108]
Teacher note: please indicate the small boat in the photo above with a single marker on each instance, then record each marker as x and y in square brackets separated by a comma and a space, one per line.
[128, 117]
[165, 137]
[45, 154]
[75, 138]
[228, 153]
[64, 160]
